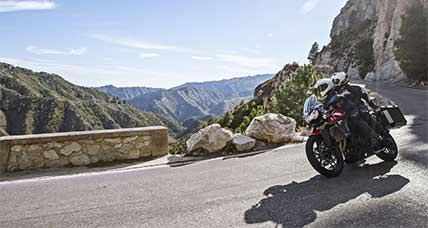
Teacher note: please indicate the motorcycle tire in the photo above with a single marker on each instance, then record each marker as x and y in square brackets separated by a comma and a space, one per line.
[316, 164]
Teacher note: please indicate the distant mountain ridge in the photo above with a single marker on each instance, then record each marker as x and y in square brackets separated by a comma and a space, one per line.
[127, 93]
[38, 102]
[192, 101]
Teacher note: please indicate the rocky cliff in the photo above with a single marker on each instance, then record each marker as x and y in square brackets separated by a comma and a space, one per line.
[32, 102]
[363, 39]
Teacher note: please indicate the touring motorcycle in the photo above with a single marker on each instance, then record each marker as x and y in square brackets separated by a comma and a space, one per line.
[331, 143]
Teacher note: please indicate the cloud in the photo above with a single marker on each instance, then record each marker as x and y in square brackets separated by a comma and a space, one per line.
[43, 51]
[137, 44]
[201, 58]
[88, 74]
[249, 62]
[269, 35]
[309, 6]
[18, 5]
[149, 55]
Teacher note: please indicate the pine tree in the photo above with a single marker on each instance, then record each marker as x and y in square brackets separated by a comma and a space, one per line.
[313, 52]
[292, 95]
[412, 48]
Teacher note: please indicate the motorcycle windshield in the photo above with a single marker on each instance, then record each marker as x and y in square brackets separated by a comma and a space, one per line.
[311, 104]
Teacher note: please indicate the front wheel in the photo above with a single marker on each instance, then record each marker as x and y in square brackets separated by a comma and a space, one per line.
[327, 161]
[391, 150]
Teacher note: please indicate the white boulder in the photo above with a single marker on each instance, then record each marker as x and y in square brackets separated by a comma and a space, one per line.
[243, 143]
[272, 128]
[212, 139]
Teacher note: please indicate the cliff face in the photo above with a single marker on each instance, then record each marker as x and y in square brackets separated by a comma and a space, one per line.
[366, 28]
[265, 91]
[32, 102]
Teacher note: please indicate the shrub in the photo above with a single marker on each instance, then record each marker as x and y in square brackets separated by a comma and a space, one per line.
[364, 55]
[412, 48]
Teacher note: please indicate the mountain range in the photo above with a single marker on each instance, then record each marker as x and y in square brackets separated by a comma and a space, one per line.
[181, 106]
[38, 102]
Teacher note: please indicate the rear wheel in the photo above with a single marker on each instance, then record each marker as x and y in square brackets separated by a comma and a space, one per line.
[391, 150]
[328, 162]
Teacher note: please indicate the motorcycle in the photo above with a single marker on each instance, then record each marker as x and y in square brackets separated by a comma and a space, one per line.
[331, 143]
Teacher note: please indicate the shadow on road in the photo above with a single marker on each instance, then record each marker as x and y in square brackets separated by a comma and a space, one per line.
[294, 204]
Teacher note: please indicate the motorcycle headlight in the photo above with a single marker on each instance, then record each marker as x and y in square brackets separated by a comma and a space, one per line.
[313, 116]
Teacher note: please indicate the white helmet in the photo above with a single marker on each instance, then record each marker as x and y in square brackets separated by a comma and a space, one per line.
[323, 86]
[340, 78]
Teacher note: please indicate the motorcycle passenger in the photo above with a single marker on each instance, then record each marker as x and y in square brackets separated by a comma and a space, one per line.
[358, 95]
[331, 96]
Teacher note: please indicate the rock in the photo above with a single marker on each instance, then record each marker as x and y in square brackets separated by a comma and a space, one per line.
[212, 139]
[3, 132]
[23, 161]
[17, 148]
[80, 160]
[52, 145]
[113, 141]
[272, 128]
[117, 146]
[243, 143]
[33, 148]
[130, 139]
[133, 154]
[93, 149]
[371, 76]
[353, 72]
[3, 120]
[379, 21]
[50, 155]
[69, 149]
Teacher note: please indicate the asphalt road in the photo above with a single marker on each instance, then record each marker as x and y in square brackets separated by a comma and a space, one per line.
[273, 189]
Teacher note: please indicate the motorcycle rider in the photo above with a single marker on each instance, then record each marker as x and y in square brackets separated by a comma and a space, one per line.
[331, 96]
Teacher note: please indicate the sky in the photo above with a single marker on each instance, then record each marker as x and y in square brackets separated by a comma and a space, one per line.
[161, 43]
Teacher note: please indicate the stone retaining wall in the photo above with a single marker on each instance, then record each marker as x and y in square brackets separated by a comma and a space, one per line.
[81, 148]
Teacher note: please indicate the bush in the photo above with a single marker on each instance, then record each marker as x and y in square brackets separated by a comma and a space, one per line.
[364, 55]
[412, 48]
[239, 119]
[287, 100]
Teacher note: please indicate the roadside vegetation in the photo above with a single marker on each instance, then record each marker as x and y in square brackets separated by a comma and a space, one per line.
[412, 48]
[287, 100]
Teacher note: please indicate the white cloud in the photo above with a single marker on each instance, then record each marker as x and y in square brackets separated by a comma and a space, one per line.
[137, 44]
[18, 5]
[201, 58]
[149, 55]
[98, 75]
[309, 5]
[249, 62]
[43, 51]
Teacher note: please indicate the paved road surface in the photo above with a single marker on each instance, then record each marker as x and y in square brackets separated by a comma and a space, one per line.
[274, 189]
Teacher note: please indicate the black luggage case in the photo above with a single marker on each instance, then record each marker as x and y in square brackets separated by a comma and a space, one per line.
[392, 117]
